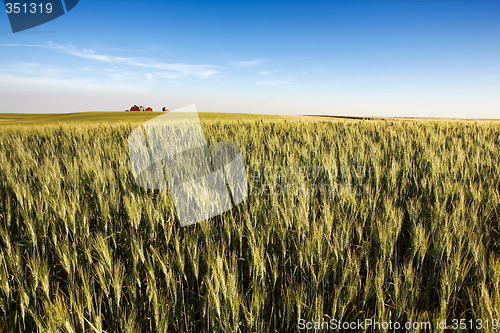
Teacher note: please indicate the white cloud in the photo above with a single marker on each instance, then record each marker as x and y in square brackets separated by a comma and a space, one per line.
[272, 82]
[202, 71]
[32, 68]
[13, 83]
[265, 73]
[21, 45]
[248, 63]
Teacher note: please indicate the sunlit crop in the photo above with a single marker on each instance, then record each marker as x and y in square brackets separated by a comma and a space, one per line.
[346, 219]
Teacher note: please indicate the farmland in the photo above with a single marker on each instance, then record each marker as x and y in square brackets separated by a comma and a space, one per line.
[395, 220]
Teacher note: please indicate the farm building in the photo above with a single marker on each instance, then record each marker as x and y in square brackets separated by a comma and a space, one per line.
[140, 108]
[164, 109]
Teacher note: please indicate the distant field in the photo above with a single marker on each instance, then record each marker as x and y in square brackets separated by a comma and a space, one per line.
[110, 117]
[140, 117]
[346, 219]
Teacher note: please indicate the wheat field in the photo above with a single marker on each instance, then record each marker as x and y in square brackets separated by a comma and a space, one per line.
[345, 219]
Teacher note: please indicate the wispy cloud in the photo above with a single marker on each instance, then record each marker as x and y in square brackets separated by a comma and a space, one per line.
[32, 68]
[13, 83]
[21, 45]
[202, 71]
[272, 82]
[248, 63]
[265, 73]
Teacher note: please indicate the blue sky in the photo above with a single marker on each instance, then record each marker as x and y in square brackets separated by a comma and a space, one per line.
[430, 58]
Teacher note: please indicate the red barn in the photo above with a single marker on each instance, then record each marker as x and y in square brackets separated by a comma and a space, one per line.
[135, 108]
[148, 109]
